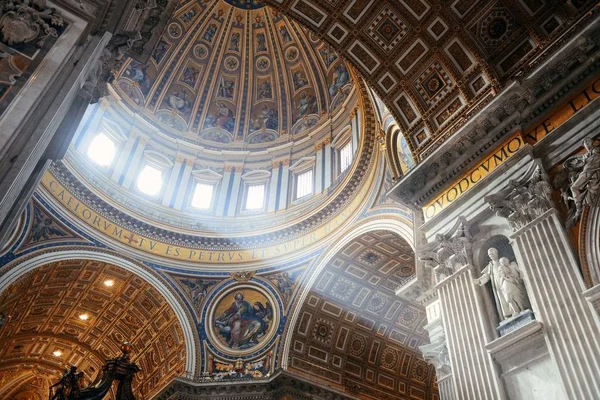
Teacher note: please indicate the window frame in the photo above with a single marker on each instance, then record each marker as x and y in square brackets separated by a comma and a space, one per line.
[299, 168]
[157, 161]
[204, 177]
[250, 179]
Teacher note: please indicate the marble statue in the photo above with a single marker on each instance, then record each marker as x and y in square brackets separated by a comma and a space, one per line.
[507, 284]
[585, 175]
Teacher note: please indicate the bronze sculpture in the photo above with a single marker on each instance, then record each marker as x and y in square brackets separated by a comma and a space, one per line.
[120, 369]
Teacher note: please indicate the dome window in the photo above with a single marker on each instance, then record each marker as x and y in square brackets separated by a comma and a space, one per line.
[345, 157]
[304, 184]
[102, 150]
[255, 199]
[203, 196]
[150, 180]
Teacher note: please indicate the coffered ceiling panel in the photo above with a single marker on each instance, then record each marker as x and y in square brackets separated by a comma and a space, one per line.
[436, 63]
[355, 332]
[79, 312]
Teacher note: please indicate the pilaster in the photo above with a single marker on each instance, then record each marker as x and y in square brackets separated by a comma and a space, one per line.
[556, 292]
[179, 194]
[223, 190]
[272, 203]
[132, 168]
[170, 193]
[554, 283]
[283, 188]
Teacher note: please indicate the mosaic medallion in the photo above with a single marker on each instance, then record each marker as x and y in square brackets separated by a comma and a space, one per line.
[242, 319]
[175, 31]
[291, 54]
[200, 51]
[231, 63]
[263, 63]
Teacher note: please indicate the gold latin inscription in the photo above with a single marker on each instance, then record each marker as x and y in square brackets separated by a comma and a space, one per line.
[471, 178]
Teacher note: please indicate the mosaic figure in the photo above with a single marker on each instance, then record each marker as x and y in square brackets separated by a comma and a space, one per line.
[44, 227]
[285, 34]
[264, 90]
[299, 79]
[306, 105]
[137, 72]
[198, 289]
[234, 44]
[179, 101]
[222, 118]
[261, 42]
[190, 76]
[341, 76]
[226, 88]
[188, 15]
[160, 51]
[242, 325]
[210, 33]
[266, 119]
[328, 57]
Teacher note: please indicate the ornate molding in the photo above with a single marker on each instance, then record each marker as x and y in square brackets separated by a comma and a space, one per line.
[524, 200]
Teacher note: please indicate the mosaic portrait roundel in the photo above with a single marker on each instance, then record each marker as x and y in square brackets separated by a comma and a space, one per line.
[242, 319]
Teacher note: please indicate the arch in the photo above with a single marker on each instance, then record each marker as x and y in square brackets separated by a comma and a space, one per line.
[12, 272]
[386, 222]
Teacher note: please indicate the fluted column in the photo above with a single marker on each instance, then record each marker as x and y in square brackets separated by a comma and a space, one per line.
[555, 288]
[475, 375]
[436, 351]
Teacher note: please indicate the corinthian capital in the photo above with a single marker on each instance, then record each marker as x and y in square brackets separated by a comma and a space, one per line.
[448, 252]
[524, 200]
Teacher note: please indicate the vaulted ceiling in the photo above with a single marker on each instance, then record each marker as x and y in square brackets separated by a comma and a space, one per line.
[63, 313]
[354, 331]
[436, 63]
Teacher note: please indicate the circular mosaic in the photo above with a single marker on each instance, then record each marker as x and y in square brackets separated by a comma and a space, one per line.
[291, 54]
[200, 51]
[242, 319]
[175, 31]
[263, 63]
[231, 63]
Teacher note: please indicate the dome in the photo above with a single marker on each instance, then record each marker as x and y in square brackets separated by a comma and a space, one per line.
[235, 74]
[242, 130]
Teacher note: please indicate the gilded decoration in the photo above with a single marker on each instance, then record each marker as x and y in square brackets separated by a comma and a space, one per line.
[243, 73]
[79, 312]
[242, 319]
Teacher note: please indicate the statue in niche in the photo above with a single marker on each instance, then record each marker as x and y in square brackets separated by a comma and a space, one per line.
[507, 285]
[581, 174]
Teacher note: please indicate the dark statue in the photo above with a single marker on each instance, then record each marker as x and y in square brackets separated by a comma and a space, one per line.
[121, 369]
